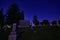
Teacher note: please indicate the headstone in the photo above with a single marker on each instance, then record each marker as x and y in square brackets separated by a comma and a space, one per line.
[23, 23]
[13, 35]
[14, 27]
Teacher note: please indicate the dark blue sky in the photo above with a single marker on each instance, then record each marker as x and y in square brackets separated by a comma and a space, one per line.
[44, 9]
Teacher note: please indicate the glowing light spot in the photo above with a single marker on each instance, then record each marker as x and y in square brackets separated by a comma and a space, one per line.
[8, 26]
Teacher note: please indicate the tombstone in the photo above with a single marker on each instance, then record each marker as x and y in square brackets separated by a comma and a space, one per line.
[13, 35]
[23, 23]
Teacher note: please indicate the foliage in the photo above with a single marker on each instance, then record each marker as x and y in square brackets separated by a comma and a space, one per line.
[13, 14]
[35, 20]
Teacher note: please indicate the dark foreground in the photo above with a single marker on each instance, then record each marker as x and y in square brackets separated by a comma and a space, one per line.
[36, 33]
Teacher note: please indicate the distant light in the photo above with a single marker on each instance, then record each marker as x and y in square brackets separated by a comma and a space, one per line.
[8, 26]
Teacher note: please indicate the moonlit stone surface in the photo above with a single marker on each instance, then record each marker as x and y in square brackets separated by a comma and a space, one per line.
[13, 35]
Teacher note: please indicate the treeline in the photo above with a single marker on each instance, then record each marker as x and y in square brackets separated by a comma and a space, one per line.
[45, 22]
[13, 15]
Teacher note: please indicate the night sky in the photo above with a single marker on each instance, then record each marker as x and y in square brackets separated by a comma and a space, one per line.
[44, 9]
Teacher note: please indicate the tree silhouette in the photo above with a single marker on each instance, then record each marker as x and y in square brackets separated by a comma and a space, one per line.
[13, 14]
[42, 23]
[46, 22]
[1, 18]
[54, 23]
[22, 15]
[35, 20]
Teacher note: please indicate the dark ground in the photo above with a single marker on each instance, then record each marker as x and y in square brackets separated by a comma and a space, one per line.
[38, 33]
[43, 33]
